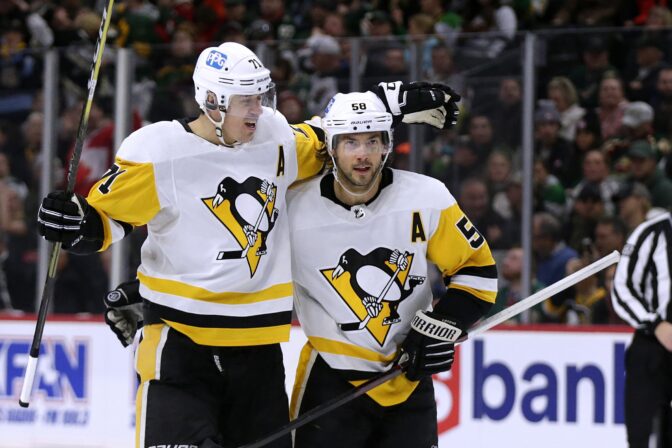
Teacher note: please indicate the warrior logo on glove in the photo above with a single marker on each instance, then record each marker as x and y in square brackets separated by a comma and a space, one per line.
[248, 212]
[373, 286]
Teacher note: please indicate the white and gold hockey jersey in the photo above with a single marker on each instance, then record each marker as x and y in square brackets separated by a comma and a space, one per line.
[216, 262]
[344, 259]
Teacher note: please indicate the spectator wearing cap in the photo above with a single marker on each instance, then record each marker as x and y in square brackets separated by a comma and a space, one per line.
[588, 208]
[328, 76]
[649, 57]
[595, 171]
[611, 106]
[554, 150]
[563, 93]
[636, 124]
[588, 133]
[644, 169]
[587, 76]
[634, 205]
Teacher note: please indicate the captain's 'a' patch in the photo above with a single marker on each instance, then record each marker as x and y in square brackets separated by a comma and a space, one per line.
[248, 212]
[373, 286]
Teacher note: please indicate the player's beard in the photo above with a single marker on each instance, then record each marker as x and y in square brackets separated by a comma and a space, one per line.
[355, 181]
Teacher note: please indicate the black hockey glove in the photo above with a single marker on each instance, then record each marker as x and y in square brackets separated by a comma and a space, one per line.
[123, 312]
[60, 218]
[420, 102]
[430, 345]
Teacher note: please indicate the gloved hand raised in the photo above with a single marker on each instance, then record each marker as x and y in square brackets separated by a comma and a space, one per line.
[60, 217]
[434, 104]
[123, 312]
[430, 345]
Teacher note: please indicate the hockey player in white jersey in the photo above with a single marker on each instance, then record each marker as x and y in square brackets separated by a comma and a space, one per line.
[362, 237]
[215, 270]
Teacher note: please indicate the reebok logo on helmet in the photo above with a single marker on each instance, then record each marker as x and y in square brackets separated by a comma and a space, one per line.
[216, 60]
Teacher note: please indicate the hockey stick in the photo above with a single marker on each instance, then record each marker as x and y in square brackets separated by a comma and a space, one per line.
[477, 329]
[234, 254]
[50, 282]
[352, 326]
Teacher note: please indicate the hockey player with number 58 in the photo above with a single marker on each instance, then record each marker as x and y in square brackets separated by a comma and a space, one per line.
[215, 268]
[362, 238]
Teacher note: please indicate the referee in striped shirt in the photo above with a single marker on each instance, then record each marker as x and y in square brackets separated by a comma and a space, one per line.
[642, 297]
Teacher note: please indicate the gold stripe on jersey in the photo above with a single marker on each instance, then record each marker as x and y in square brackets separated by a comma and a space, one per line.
[233, 337]
[173, 287]
[130, 196]
[306, 361]
[392, 392]
[324, 345]
[147, 351]
[307, 146]
[451, 249]
[488, 296]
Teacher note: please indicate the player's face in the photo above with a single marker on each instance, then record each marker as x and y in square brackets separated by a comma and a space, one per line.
[358, 158]
[240, 120]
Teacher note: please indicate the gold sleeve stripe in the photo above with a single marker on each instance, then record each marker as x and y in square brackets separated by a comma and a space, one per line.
[451, 249]
[185, 290]
[130, 196]
[487, 296]
[391, 392]
[233, 337]
[307, 146]
[342, 348]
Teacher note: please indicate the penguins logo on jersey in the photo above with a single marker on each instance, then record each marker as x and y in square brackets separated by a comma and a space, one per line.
[248, 212]
[373, 286]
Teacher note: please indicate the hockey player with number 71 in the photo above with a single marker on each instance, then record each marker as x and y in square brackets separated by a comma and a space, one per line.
[215, 276]
[362, 238]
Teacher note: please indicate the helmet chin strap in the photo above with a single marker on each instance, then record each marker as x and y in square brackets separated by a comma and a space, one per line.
[373, 180]
[219, 132]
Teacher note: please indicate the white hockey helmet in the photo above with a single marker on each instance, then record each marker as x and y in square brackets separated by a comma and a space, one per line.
[357, 112]
[227, 70]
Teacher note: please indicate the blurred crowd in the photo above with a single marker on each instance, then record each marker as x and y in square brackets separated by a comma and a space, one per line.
[602, 120]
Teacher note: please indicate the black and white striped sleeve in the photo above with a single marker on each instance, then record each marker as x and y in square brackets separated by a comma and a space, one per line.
[642, 287]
